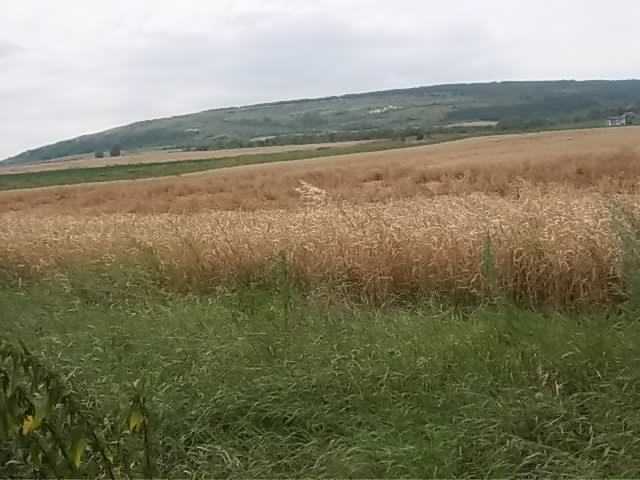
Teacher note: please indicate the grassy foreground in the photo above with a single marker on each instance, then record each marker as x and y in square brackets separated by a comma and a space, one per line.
[267, 383]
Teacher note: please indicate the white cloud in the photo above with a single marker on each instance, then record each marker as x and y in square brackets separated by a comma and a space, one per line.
[70, 67]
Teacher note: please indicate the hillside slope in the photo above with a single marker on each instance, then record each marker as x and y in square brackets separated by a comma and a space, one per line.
[514, 105]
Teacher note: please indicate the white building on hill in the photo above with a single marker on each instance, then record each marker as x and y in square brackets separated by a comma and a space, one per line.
[622, 120]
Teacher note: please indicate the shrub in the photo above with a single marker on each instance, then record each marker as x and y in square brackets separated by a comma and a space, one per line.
[115, 151]
[48, 431]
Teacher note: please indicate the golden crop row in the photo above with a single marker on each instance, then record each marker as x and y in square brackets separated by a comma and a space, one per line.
[559, 245]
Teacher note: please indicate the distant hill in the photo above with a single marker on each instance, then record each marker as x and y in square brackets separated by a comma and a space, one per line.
[510, 105]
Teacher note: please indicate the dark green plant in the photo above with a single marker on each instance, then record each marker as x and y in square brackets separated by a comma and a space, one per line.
[46, 431]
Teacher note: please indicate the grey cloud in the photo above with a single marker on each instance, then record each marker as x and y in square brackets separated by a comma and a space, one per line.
[8, 49]
[307, 56]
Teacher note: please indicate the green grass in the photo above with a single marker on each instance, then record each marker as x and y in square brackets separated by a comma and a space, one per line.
[267, 383]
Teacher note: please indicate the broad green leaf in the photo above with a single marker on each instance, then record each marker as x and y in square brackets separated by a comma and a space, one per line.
[5, 424]
[136, 420]
[12, 424]
[41, 407]
[78, 446]
[35, 454]
[13, 405]
[30, 424]
[4, 427]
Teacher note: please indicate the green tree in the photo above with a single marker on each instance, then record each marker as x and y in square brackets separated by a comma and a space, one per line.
[115, 151]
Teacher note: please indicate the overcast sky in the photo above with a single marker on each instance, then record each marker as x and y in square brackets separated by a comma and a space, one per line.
[69, 67]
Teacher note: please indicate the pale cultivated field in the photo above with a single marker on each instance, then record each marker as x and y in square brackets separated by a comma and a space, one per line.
[606, 159]
[540, 218]
[158, 156]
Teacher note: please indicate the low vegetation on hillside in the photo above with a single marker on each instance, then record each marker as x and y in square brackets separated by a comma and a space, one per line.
[389, 114]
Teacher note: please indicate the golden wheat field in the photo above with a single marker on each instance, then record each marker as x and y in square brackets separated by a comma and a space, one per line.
[606, 160]
[537, 218]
